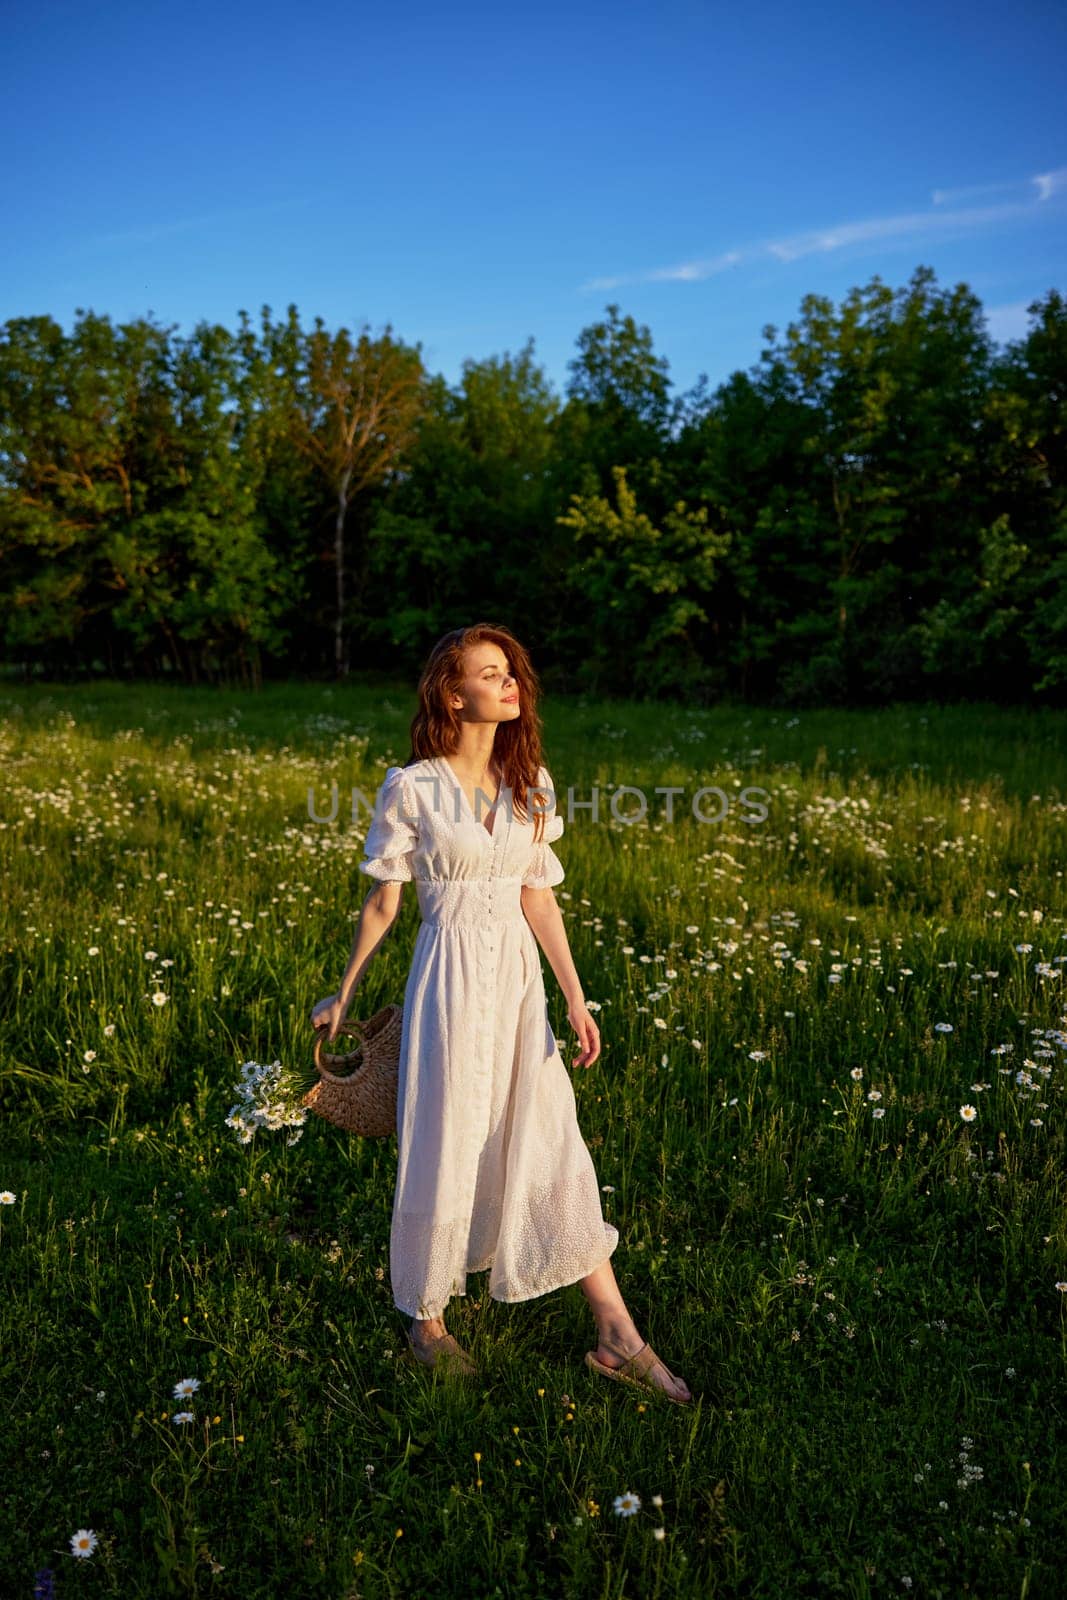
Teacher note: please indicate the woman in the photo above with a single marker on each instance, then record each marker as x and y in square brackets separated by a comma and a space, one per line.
[492, 1171]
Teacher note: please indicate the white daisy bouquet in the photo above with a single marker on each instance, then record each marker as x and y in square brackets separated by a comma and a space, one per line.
[269, 1097]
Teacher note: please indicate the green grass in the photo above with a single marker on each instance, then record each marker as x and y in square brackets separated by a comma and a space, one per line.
[849, 1297]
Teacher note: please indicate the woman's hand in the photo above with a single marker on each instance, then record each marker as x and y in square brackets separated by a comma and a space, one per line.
[329, 1013]
[588, 1034]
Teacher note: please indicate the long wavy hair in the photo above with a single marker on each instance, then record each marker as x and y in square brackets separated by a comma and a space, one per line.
[435, 727]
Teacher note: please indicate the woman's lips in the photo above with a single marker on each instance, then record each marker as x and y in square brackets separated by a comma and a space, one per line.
[511, 699]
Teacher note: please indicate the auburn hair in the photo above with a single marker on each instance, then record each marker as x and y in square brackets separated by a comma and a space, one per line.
[435, 727]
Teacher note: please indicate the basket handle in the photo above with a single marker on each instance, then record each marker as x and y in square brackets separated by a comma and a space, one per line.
[349, 1025]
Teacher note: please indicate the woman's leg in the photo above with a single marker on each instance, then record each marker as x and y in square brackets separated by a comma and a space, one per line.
[616, 1326]
[427, 1329]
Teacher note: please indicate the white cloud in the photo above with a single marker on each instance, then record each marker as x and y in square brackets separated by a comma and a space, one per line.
[1037, 190]
[946, 197]
[1050, 183]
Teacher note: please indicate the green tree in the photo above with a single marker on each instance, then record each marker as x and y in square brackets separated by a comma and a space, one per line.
[354, 416]
[619, 409]
[469, 527]
[649, 588]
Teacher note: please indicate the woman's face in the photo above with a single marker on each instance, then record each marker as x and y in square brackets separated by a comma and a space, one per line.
[489, 692]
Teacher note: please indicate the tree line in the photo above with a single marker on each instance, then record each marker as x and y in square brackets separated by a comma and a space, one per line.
[875, 510]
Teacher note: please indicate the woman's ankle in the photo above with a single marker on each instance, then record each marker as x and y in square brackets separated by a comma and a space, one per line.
[618, 1331]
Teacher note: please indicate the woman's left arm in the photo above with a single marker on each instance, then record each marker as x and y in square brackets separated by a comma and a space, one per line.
[541, 910]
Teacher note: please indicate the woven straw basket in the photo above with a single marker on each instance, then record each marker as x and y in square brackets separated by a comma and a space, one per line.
[364, 1100]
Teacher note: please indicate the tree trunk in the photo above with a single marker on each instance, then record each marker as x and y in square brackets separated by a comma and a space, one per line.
[339, 564]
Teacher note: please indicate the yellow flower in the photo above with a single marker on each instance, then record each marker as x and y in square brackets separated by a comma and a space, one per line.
[477, 1455]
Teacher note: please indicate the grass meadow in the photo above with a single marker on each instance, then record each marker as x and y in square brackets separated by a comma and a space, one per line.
[863, 1281]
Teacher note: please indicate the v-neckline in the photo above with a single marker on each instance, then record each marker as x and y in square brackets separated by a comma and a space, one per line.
[490, 833]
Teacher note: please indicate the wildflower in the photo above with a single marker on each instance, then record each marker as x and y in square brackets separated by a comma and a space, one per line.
[942, 1027]
[159, 998]
[94, 949]
[878, 1111]
[659, 1533]
[968, 1113]
[657, 1499]
[874, 1094]
[627, 1504]
[84, 1542]
[90, 1055]
[857, 1073]
[185, 1388]
[658, 1022]
[150, 955]
[184, 1416]
[757, 1055]
[1062, 1287]
[109, 1030]
[6, 1197]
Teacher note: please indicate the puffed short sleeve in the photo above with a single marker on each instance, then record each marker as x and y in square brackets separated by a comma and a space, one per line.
[546, 869]
[393, 833]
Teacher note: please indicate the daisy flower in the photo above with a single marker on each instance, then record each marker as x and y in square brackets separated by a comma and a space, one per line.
[183, 1416]
[159, 998]
[6, 1197]
[968, 1113]
[185, 1388]
[84, 1542]
[627, 1504]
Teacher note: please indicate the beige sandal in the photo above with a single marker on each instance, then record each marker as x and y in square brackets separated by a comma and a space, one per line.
[444, 1351]
[635, 1369]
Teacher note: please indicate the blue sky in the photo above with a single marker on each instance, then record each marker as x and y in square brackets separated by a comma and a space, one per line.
[475, 175]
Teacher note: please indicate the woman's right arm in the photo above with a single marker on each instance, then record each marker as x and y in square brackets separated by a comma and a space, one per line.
[380, 910]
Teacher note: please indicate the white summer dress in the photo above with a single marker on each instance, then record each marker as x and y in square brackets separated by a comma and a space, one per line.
[492, 1170]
